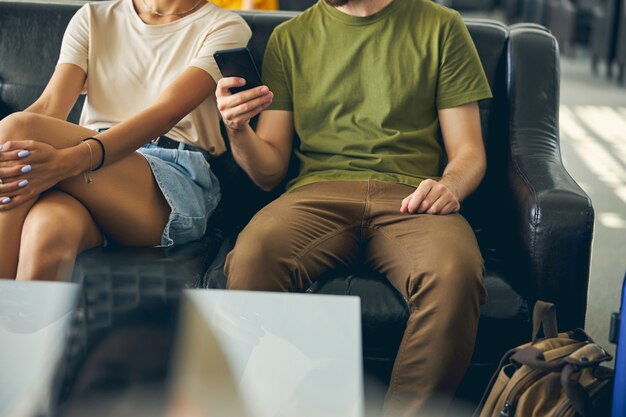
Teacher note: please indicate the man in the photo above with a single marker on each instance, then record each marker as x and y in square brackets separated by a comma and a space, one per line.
[366, 84]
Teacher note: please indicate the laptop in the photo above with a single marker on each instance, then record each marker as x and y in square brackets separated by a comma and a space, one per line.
[259, 354]
[34, 324]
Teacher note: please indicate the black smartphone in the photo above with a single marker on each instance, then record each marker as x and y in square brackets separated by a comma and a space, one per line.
[238, 62]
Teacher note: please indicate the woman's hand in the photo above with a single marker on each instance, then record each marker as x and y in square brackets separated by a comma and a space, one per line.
[28, 168]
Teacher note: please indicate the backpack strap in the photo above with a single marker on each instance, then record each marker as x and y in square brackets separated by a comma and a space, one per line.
[534, 358]
[544, 317]
[588, 356]
[547, 356]
[576, 393]
[504, 361]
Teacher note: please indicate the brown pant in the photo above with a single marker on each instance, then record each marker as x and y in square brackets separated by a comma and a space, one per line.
[433, 261]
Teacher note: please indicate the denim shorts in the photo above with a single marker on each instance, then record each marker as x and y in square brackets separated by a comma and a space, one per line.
[190, 188]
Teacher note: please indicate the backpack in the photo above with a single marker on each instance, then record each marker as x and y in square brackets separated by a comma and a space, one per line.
[557, 376]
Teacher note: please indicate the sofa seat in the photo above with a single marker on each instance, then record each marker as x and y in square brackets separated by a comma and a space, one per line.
[118, 278]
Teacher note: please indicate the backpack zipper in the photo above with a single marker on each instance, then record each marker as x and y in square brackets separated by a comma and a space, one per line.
[508, 410]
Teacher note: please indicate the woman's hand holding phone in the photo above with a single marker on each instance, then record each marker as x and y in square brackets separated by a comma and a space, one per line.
[237, 109]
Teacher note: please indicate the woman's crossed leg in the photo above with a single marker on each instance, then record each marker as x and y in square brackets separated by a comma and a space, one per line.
[41, 237]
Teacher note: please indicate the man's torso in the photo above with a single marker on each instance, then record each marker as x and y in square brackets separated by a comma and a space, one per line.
[364, 91]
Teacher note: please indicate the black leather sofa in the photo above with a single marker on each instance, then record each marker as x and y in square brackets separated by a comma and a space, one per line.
[533, 222]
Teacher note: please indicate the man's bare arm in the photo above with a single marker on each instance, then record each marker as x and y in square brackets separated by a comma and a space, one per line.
[462, 138]
[263, 154]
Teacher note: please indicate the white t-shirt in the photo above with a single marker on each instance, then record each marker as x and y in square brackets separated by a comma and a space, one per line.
[129, 63]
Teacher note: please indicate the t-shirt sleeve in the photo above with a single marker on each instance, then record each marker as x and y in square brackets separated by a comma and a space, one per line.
[228, 34]
[75, 45]
[275, 77]
[461, 79]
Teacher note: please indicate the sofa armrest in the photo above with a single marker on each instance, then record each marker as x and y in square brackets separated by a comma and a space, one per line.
[554, 216]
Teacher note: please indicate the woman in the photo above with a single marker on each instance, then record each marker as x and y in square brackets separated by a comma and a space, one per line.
[148, 72]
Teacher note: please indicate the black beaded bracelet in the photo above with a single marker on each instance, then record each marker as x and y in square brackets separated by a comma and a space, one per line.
[103, 152]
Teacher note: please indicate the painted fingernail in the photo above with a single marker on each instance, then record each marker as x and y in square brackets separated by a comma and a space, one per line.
[26, 169]
[6, 200]
[23, 154]
[23, 183]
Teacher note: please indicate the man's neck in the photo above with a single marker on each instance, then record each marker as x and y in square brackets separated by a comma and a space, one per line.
[363, 8]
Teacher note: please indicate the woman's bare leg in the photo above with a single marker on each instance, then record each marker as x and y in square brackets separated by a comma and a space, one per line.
[11, 221]
[124, 198]
[57, 228]
[125, 201]
[10, 232]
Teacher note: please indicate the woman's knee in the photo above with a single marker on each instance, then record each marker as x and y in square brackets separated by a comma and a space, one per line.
[45, 240]
[15, 126]
[51, 239]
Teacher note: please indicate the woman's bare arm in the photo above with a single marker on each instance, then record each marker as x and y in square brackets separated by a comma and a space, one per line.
[178, 99]
[57, 160]
[61, 93]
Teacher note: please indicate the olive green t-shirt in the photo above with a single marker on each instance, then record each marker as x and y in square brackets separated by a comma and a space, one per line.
[365, 91]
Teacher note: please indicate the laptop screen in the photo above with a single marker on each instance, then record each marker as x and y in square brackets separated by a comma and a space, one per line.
[288, 354]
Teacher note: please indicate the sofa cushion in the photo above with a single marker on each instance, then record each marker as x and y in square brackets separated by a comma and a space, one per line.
[118, 278]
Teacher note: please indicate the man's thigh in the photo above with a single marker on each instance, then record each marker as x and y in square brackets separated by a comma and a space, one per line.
[297, 237]
[413, 248]
[305, 217]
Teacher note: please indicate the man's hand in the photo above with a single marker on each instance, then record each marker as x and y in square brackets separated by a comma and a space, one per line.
[431, 197]
[238, 109]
